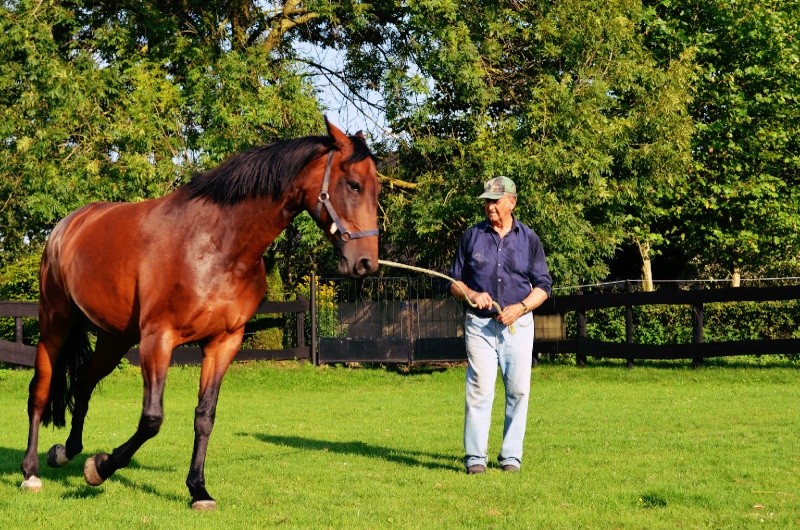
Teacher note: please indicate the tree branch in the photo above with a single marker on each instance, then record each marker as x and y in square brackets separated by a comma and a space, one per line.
[291, 16]
[397, 183]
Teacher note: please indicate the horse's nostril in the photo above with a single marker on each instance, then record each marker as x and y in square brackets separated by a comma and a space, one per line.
[365, 266]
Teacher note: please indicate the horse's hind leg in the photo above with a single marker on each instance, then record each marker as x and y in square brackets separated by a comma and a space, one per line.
[38, 395]
[108, 352]
[156, 352]
[54, 333]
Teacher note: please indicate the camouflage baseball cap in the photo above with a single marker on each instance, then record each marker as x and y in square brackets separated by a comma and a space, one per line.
[497, 187]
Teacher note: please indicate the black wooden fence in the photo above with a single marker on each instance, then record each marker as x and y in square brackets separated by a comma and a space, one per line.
[414, 320]
[698, 349]
[408, 320]
[22, 354]
[18, 352]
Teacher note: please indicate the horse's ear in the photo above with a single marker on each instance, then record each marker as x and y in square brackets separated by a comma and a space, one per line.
[340, 139]
[360, 134]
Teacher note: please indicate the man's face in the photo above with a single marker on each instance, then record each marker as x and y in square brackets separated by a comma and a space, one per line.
[498, 210]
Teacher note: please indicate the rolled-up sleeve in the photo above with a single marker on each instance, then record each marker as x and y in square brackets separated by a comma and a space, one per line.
[539, 273]
[457, 268]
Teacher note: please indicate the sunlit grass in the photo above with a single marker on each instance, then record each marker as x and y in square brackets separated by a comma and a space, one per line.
[298, 446]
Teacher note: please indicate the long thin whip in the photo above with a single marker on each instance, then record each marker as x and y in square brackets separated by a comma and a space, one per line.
[443, 276]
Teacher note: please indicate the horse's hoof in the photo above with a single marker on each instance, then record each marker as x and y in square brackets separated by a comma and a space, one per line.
[90, 472]
[57, 456]
[204, 506]
[32, 484]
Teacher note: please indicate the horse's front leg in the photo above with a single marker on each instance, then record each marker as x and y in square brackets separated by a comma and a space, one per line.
[156, 352]
[217, 356]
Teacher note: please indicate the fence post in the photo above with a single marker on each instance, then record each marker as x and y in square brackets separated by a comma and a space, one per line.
[580, 357]
[313, 319]
[18, 330]
[697, 331]
[629, 322]
[299, 324]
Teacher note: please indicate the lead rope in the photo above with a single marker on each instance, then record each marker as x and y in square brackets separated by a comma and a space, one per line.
[444, 276]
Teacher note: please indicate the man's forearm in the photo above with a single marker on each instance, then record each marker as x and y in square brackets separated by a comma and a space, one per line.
[534, 299]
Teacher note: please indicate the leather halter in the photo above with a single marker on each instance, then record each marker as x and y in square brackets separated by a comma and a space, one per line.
[325, 199]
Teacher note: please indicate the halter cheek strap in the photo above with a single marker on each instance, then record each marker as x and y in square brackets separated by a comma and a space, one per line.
[325, 199]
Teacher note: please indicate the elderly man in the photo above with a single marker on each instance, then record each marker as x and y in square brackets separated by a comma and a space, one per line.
[498, 260]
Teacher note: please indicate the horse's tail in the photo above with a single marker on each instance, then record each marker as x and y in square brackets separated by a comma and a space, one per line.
[74, 355]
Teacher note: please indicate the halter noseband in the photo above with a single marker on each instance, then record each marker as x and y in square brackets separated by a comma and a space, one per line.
[325, 198]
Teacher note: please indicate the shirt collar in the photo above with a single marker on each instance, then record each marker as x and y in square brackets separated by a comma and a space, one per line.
[487, 227]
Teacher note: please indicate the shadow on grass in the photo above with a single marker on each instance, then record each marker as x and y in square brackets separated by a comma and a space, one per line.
[408, 458]
[11, 476]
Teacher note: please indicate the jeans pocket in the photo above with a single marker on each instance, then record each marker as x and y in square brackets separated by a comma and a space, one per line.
[525, 320]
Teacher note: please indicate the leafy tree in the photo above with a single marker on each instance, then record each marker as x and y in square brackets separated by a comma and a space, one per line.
[740, 209]
[564, 97]
[125, 100]
[655, 125]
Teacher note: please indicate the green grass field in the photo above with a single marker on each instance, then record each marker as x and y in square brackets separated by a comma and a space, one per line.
[298, 446]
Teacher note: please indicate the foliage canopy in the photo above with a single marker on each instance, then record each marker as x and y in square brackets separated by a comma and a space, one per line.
[635, 129]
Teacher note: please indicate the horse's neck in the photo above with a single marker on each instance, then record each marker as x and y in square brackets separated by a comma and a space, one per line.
[257, 223]
[243, 230]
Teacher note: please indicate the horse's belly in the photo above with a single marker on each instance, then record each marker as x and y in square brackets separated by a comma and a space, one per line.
[106, 300]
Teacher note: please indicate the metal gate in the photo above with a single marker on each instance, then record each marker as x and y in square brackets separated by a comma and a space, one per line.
[388, 320]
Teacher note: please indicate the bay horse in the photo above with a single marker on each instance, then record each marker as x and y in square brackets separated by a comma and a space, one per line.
[186, 267]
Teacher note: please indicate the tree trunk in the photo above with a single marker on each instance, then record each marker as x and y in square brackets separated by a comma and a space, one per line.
[647, 270]
[736, 280]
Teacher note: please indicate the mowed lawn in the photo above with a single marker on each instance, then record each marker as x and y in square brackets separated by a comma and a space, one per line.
[297, 446]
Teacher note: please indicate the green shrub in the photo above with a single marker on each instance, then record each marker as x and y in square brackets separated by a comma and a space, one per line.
[328, 324]
[19, 282]
[752, 320]
[273, 336]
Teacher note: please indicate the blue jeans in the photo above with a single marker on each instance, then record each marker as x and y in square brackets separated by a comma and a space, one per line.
[491, 344]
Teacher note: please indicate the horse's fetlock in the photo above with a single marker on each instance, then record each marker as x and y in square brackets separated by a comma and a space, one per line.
[150, 424]
[203, 425]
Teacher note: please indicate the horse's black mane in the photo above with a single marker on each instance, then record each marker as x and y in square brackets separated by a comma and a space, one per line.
[264, 171]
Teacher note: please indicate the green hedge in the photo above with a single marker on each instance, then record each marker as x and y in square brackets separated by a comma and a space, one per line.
[662, 324]
[19, 282]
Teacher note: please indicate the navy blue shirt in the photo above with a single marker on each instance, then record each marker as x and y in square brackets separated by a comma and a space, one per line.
[508, 268]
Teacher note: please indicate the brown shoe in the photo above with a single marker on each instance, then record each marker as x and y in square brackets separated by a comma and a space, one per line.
[477, 469]
[511, 468]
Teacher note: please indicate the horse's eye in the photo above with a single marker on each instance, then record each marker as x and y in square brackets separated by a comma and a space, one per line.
[353, 185]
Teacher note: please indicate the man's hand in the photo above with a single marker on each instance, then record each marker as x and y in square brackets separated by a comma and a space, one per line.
[510, 314]
[482, 300]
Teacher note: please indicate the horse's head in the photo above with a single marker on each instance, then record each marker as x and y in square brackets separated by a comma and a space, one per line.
[347, 205]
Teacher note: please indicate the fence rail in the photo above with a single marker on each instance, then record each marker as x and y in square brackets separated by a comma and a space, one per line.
[406, 320]
[401, 320]
[582, 346]
[21, 354]
[398, 320]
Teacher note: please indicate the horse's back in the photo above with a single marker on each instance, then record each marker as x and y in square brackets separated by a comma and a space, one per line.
[93, 257]
[154, 266]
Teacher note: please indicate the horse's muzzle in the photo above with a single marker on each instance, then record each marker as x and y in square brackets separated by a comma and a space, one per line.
[359, 267]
